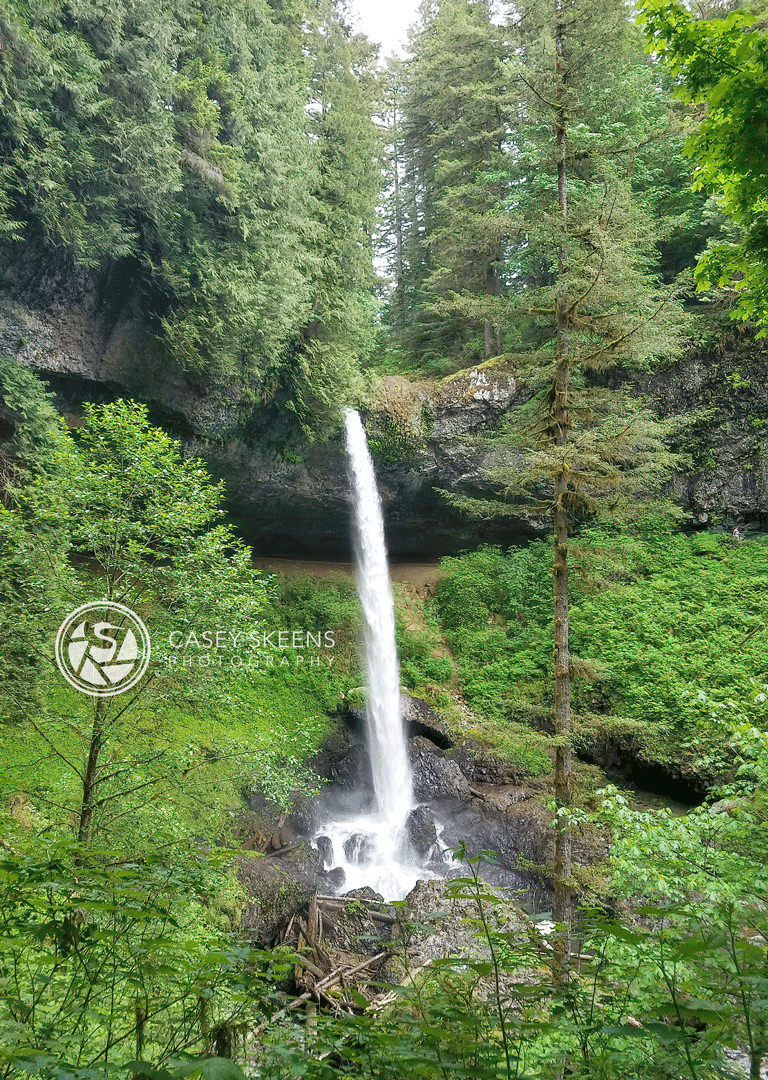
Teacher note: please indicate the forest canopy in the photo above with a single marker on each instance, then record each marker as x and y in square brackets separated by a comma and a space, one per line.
[191, 157]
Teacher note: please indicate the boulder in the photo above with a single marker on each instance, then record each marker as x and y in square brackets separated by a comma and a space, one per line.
[334, 879]
[421, 833]
[424, 721]
[325, 849]
[435, 775]
[434, 925]
[481, 766]
[358, 848]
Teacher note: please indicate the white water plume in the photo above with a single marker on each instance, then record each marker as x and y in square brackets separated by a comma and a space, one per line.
[372, 849]
[387, 744]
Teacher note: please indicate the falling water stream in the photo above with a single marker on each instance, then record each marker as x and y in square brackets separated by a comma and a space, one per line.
[372, 848]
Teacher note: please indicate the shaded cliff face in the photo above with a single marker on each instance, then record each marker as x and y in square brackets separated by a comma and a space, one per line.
[92, 346]
[721, 395]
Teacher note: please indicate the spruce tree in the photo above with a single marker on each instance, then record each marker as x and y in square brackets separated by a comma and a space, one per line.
[324, 359]
[455, 108]
[392, 233]
[591, 303]
[585, 300]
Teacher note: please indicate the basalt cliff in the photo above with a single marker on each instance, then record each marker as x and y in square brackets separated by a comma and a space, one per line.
[89, 342]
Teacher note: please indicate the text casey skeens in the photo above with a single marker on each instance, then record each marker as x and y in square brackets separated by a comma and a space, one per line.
[252, 639]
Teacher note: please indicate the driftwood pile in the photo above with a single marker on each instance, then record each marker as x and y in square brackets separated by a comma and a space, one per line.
[340, 944]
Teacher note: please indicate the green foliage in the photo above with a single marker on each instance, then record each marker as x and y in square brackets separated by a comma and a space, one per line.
[31, 435]
[450, 114]
[655, 617]
[659, 997]
[424, 666]
[166, 147]
[472, 231]
[399, 420]
[692, 619]
[106, 958]
[145, 527]
[324, 368]
[32, 537]
[321, 606]
[152, 522]
[495, 611]
[720, 63]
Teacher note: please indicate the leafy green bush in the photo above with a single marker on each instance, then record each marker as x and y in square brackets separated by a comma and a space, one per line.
[86, 929]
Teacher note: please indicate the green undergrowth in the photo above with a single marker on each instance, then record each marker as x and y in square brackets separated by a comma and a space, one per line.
[196, 764]
[196, 755]
[426, 667]
[527, 751]
[252, 728]
[656, 619]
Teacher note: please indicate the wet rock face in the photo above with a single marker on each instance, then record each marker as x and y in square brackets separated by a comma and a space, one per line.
[435, 775]
[507, 817]
[343, 761]
[422, 720]
[358, 848]
[88, 339]
[480, 766]
[335, 879]
[721, 397]
[89, 342]
[421, 833]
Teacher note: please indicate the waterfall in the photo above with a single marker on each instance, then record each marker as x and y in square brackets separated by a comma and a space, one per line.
[372, 848]
[387, 746]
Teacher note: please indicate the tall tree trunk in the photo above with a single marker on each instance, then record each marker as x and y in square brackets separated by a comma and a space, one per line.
[91, 774]
[491, 289]
[398, 225]
[562, 717]
[561, 421]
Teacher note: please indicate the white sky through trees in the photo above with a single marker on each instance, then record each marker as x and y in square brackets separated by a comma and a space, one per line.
[385, 22]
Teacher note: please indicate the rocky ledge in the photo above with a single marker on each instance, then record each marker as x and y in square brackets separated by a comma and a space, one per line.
[428, 438]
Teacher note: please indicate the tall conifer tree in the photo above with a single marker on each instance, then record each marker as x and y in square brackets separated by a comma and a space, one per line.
[455, 119]
[591, 303]
[584, 298]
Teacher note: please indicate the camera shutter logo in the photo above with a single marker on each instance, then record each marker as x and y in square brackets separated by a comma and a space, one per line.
[102, 648]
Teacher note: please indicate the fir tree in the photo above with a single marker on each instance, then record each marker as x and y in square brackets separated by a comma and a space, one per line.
[596, 304]
[586, 300]
[455, 107]
[324, 365]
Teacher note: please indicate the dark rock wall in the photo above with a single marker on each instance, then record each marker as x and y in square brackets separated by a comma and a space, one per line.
[90, 344]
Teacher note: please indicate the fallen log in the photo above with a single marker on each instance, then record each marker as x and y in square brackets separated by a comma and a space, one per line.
[375, 916]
